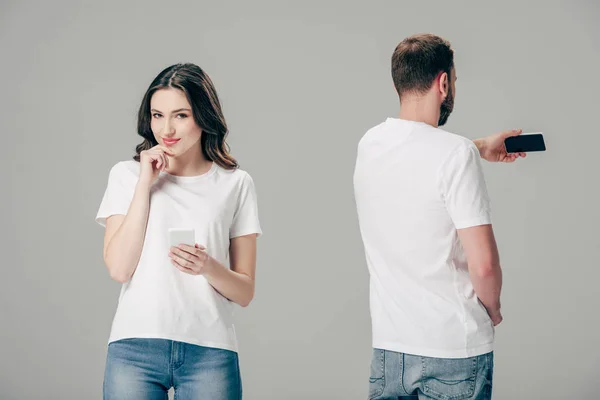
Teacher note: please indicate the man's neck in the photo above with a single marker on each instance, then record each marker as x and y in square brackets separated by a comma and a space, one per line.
[419, 110]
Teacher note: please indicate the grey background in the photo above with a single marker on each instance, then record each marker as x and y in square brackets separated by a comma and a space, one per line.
[300, 83]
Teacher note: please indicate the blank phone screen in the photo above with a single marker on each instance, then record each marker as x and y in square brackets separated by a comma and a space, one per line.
[525, 143]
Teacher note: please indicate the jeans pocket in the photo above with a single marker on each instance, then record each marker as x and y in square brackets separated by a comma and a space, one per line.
[449, 379]
[377, 378]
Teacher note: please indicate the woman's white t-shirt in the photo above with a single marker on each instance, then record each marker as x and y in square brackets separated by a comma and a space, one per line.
[159, 301]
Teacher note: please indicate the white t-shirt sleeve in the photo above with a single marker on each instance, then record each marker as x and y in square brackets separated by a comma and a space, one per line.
[117, 196]
[245, 218]
[464, 189]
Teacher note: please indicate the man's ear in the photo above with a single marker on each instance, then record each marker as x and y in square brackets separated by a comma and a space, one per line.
[443, 84]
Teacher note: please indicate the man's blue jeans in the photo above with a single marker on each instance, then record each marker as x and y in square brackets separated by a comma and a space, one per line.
[404, 376]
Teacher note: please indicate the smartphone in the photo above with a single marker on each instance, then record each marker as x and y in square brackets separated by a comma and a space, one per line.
[179, 236]
[525, 142]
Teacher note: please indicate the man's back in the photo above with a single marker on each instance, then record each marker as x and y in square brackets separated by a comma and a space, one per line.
[415, 185]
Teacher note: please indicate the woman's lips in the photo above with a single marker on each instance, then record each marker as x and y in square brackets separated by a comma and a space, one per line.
[170, 142]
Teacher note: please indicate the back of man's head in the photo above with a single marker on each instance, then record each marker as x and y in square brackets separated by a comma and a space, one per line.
[417, 61]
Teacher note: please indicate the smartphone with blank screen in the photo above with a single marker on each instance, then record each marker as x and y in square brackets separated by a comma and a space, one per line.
[179, 236]
[525, 143]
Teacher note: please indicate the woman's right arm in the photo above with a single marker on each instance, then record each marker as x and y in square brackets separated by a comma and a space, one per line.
[124, 235]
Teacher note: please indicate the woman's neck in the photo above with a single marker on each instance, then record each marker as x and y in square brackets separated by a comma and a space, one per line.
[189, 164]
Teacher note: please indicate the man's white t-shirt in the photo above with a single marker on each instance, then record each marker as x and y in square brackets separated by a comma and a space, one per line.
[159, 301]
[415, 185]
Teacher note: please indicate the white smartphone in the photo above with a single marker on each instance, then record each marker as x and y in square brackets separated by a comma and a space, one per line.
[179, 236]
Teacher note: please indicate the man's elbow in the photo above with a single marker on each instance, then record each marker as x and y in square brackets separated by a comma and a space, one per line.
[245, 302]
[486, 269]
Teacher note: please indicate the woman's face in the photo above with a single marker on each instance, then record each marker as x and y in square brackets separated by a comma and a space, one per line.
[172, 121]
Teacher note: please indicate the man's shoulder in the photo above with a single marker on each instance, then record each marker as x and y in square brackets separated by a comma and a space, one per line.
[370, 133]
[451, 140]
[439, 142]
[442, 145]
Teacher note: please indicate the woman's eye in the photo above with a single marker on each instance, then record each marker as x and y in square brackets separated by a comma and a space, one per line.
[182, 115]
[156, 115]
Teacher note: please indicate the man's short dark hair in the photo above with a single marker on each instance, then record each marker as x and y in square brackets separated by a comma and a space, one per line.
[416, 62]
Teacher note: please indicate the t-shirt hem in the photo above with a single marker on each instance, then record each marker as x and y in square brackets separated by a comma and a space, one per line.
[101, 218]
[177, 338]
[467, 223]
[258, 233]
[435, 353]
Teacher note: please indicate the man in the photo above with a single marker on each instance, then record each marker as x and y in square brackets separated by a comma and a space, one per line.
[425, 221]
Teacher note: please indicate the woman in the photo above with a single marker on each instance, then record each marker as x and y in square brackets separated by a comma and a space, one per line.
[173, 325]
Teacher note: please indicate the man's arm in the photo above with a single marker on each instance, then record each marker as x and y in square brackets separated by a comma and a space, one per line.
[465, 193]
[483, 259]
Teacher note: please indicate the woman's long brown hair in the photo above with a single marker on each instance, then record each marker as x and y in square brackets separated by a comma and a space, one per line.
[206, 108]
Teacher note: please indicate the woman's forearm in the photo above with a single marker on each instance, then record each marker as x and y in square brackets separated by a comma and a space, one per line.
[235, 286]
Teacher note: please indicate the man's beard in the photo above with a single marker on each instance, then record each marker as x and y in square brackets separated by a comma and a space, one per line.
[446, 107]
